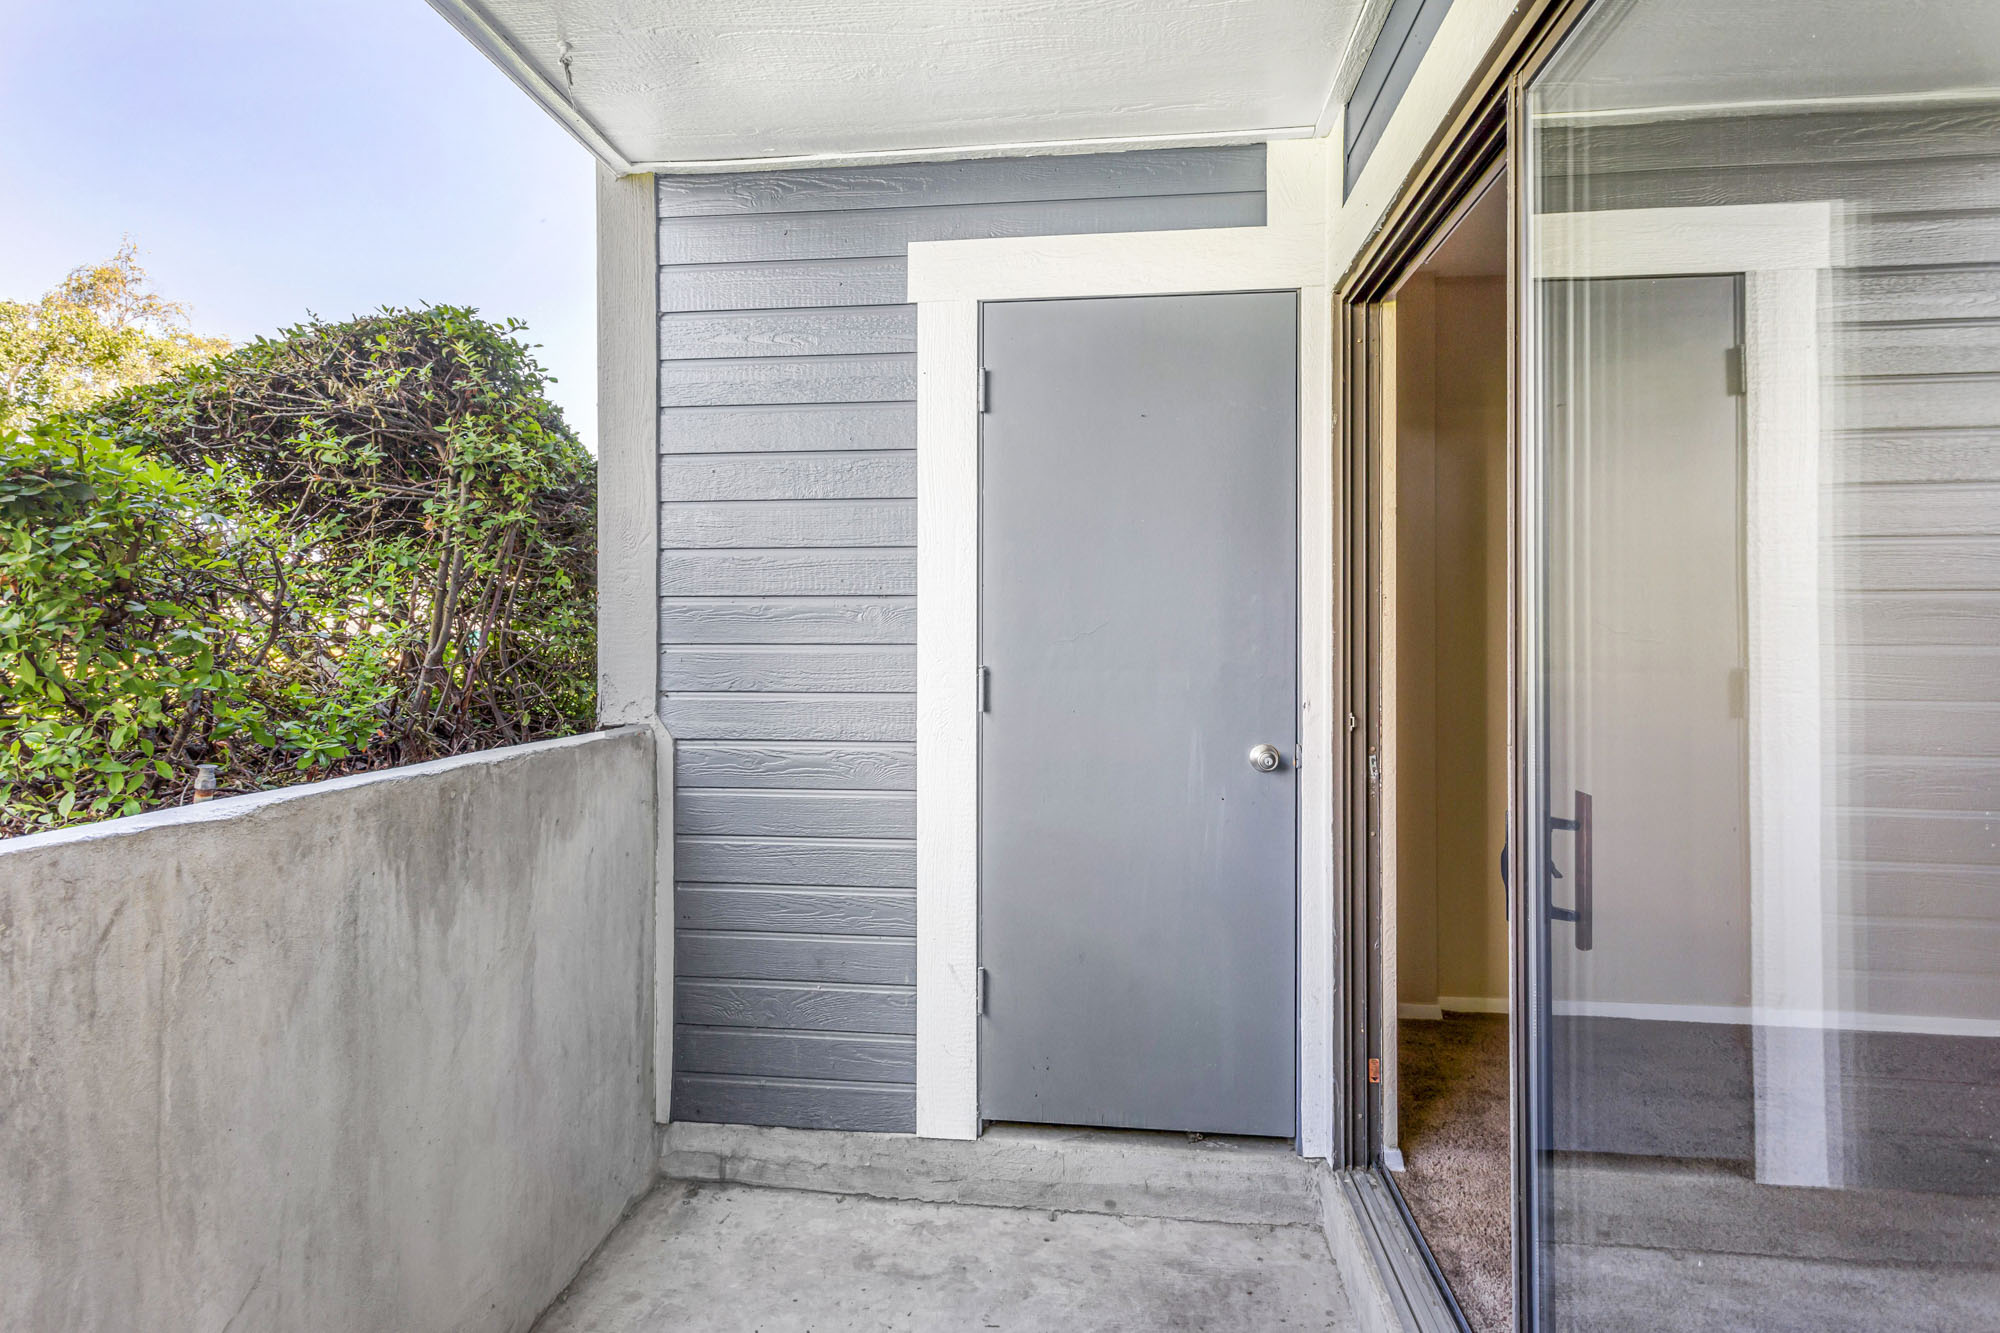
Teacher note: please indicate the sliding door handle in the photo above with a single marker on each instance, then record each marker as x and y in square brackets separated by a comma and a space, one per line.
[1580, 914]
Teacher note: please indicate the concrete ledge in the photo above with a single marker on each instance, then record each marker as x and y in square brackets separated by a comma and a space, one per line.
[1081, 1171]
[410, 778]
[360, 1055]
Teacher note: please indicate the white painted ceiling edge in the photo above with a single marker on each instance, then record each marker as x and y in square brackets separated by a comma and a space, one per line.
[749, 85]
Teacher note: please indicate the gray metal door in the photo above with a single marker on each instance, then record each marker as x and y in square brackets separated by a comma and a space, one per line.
[1139, 614]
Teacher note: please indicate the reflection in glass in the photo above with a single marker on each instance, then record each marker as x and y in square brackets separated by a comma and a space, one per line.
[1762, 666]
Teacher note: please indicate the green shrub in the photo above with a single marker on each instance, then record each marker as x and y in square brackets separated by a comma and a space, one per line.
[350, 546]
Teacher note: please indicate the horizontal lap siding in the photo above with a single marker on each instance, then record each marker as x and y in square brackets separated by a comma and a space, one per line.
[788, 596]
[1910, 514]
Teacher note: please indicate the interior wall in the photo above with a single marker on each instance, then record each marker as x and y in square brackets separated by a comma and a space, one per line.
[1451, 771]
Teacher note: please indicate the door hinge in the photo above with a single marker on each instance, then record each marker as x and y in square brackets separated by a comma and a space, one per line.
[1374, 767]
[982, 992]
[985, 379]
[985, 690]
[1732, 370]
[1374, 1069]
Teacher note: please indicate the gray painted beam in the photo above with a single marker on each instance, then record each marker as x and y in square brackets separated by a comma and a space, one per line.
[797, 766]
[797, 1005]
[1906, 186]
[839, 668]
[1819, 138]
[789, 620]
[1916, 564]
[1930, 673]
[1938, 509]
[1918, 454]
[771, 956]
[1166, 172]
[1922, 617]
[725, 524]
[788, 428]
[785, 284]
[1926, 350]
[883, 1108]
[815, 1055]
[790, 717]
[857, 572]
[1937, 238]
[870, 233]
[789, 379]
[1902, 295]
[815, 476]
[779, 861]
[813, 911]
[1899, 728]
[766, 812]
[830, 331]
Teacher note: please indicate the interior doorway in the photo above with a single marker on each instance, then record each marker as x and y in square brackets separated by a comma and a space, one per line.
[1442, 743]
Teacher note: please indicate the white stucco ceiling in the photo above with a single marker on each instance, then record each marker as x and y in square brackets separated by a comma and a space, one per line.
[685, 83]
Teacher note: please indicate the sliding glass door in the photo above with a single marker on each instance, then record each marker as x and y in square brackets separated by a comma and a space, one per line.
[1758, 602]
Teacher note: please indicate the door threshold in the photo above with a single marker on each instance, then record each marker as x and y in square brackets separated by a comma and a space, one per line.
[1431, 1269]
[1125, 1172]
[1392, 1255]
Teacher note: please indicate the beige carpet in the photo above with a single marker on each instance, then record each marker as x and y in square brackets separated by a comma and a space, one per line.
[1453, 1104]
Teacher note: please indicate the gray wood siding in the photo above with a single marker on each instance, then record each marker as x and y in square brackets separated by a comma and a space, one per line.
[1406, 33]
[1910, 508]
[788, 596]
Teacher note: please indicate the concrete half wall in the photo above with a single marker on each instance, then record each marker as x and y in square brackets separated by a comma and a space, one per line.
[371, 1054]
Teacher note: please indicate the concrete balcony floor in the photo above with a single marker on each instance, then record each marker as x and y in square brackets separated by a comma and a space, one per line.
[727, 1257]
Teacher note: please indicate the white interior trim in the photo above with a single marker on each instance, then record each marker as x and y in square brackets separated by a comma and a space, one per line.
[948, 280]
[1451, 1004]
[1473, 1004]
[1410, 1012]
[1780, 249]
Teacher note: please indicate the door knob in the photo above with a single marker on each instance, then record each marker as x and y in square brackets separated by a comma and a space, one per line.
[1265, 758]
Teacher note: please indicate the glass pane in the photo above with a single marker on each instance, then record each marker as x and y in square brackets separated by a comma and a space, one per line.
[1762, 688]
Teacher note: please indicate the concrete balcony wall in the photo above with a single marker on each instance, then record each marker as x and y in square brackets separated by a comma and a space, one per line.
[371, 1054]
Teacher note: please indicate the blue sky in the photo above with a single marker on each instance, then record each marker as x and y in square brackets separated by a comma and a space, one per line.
[273, 157]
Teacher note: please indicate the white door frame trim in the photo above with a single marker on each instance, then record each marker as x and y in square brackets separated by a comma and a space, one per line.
[948, 280]
[1781, 250]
